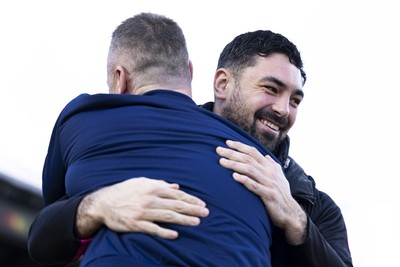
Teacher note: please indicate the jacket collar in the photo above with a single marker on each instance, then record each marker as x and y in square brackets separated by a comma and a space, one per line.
[301, 185]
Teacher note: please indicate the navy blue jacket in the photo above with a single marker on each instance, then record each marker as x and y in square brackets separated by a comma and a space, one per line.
[104, 139]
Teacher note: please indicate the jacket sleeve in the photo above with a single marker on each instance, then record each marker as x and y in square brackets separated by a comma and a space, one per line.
[327, 243]
[51, 239]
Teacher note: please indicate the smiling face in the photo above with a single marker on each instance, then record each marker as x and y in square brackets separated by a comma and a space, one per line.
[262, 99]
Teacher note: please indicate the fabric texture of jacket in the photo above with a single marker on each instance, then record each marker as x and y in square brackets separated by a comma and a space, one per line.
[104, 139]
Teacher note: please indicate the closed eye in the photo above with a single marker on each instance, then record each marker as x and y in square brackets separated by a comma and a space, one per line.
[271, 89]
[295, 101]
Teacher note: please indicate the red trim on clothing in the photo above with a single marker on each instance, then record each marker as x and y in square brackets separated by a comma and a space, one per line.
[82, 249]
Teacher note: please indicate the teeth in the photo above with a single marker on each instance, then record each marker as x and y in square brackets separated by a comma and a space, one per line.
[271, 125]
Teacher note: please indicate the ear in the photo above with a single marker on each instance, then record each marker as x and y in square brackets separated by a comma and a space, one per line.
[121, 79]
[222, 78]
[191, 69]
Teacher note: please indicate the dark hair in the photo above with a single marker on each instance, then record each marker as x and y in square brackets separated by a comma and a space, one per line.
[241, 52]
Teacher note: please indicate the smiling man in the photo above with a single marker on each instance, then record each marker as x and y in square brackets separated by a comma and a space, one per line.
[262, 100]
[259, 85]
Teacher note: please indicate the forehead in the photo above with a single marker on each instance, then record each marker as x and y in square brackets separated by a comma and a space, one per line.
[275, 66]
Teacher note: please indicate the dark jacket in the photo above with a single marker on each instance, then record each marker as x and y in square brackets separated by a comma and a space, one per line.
[326, 244]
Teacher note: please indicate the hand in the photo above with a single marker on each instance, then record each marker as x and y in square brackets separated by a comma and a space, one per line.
[264, 177]
[135, 205]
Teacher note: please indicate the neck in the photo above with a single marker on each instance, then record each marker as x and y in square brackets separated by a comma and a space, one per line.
[144, 89]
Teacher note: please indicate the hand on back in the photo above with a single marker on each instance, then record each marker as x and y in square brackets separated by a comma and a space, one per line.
[137, 205]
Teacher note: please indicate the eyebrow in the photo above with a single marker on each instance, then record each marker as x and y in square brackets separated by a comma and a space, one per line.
[282, 84]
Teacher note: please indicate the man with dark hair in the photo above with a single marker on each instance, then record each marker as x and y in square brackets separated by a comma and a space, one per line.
[258, 86]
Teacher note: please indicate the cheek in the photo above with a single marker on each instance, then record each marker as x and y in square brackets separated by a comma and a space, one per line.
[292, 118]
[257, 102]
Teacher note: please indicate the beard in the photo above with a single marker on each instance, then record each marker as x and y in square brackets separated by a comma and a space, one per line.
[238, 112]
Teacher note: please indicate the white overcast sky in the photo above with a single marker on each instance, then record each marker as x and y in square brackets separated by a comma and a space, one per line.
[346, 134]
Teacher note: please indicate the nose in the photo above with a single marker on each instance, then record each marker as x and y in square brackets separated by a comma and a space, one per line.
[281, 106]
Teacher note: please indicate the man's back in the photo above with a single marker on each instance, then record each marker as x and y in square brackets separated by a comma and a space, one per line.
[162, 135]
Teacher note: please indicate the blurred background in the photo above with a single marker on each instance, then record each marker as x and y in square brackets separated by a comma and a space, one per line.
[346, 134]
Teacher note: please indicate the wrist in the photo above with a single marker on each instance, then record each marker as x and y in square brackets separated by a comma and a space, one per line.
[88, 217]
[296, 233]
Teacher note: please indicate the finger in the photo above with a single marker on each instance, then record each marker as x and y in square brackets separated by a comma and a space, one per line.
[243, 148]
[181, 195]
[239, 146]
[250, 184]
[156, 183]
[160, 184]
[243, 168]
[180, 207]
[156, 230]
[233, 155]
[270, 160]
[168, 216]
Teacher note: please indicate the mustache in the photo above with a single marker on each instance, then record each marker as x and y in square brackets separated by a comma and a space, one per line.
[272, 117]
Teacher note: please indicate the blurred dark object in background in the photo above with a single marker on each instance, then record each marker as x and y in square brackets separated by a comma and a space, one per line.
[19, 203]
